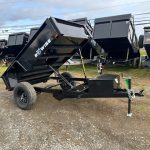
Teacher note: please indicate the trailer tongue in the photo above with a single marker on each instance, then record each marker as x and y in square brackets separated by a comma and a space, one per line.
[53, 44]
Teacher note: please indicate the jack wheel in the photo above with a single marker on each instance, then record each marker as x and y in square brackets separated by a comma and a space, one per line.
[68, 77]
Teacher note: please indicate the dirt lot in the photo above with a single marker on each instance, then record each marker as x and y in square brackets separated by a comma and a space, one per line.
[75, 124]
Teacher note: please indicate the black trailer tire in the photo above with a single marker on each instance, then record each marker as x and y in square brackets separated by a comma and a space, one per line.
[68, 77]
[137, 63]
[141, 40]
[24, 95]
[58, 95]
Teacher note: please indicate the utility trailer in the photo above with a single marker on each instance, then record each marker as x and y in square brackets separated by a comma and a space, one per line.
[145, 42]
[90, 49]
[14, 45]
[3, 44]
[55, 42]
[116, 35]
[32, 32]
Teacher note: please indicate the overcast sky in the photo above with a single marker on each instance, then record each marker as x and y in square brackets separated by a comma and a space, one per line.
[23, 12]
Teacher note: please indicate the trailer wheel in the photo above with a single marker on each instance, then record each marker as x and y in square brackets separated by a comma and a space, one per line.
[24, 95]
[58, 95]
[141, 40]
[68, 77]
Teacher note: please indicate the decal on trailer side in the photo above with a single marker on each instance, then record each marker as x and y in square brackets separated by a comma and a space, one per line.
[40, 50]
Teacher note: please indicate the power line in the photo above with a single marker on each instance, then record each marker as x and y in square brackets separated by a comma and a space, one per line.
[147, 13]
[142, 24]
[15, 26]
[28, 27]
[142, 20]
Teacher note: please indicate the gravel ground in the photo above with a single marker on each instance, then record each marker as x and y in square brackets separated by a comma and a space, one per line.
[85, 124]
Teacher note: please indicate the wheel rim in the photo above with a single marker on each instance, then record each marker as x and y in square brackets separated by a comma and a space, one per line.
[22, 98]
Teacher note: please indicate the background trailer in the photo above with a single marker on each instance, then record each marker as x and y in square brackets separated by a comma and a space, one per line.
[145, 42]
[11, 48]
[116, 35]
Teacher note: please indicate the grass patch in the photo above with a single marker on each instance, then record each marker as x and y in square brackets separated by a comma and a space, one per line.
[91, 70]
[143, 52]
[127, 71]
[2, 70]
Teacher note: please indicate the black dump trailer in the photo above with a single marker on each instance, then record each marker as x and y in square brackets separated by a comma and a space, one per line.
[147, 40]
[116, 35]
[144, 41]
[53, 44]
[14, 45]
[90, 49]
[3, 45]
[32, 32]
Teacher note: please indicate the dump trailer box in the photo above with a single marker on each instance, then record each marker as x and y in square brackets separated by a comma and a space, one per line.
[3, 44]
[32, 32]
[17, 39]
[116, 35]
[89, 50]
[53, 44]
[84, 22]
[147, 40]
[15, 44]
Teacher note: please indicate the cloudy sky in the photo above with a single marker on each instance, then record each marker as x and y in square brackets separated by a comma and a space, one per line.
[32, 12]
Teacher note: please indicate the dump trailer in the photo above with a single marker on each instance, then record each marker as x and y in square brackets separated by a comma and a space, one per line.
[53, 44]
[32, 32]
[15, 44]
[145, 42]
[3, 45]
[116, 35]
[90, 49]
